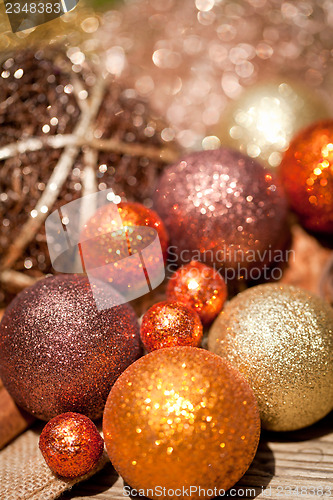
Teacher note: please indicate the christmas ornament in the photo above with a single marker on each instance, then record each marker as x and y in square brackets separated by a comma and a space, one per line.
[170, 324]
[107, 248]
[199, 287]
[181, 417]
[85, 132]
[280, 338]
[222, 208]
[71, 445]
[263, 120]
[307, 175]
[197, 56]
[59, 353]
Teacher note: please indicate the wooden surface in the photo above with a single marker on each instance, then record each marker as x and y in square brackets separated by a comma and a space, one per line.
[301, 459]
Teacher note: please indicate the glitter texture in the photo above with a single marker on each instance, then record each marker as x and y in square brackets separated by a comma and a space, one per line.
[71, 445]
[181, 417]
[307, 175]
[59, 353]
[170, 324]
[264, 119]
[199, 287]
[281, 339]
[223, 205]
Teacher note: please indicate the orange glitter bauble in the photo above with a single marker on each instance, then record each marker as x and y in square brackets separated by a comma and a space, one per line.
[181, 419]
[307, 174]
[200, 287]
[125, 257]
[170, 324]
[71, 445]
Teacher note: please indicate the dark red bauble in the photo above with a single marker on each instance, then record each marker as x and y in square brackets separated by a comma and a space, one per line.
[71, 445]
[222, 208]
[58, 353]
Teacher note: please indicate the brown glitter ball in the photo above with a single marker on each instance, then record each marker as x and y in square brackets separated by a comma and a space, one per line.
[71, 445]
[307, 175]
[66, 131]
[224, 209]
[181, 417]
[170, 324]
[59, 353]
[200, 287]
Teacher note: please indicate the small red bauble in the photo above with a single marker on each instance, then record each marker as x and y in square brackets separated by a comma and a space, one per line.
[307, 174]
[200, 287]
[71, 445]
[170, 324]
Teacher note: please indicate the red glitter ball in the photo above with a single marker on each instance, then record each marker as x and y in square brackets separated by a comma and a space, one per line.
[200, 287]
[307, 175]
[71, 445]
[126, 257]
[170, 324]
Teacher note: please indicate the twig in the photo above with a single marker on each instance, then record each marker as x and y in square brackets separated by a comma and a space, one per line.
[56, 181]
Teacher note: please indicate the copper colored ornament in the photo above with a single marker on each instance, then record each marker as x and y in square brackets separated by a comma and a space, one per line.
[200, 287]
[170, 324]
[281, 339]
[181, 417]
[224, 209]
[135, 250]
[71, 445]
[59, 353]
[307, 175]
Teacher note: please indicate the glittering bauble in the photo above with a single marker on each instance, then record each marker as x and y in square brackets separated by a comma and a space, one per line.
[181, 417]
[200, 287]
[281, 339]
[107, 245]
[71, 445]
[222, 208]
[263, 120]
[66, 131]
[170, 324]
[307, 175]
[59, 353]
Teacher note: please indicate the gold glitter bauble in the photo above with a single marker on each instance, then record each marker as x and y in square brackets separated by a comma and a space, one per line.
[281, 339]
[266, 116]
[178, 418]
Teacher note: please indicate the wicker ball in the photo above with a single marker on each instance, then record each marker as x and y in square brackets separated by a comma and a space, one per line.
[54, 103]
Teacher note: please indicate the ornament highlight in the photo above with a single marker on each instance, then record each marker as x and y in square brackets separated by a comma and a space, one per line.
[181, 417]
[224, 209]
[58, 353]
[307, 175]
[71, 445]
[266, 116]
[170, 324]
[281, 339]
[200, 287]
